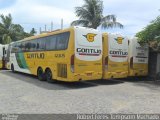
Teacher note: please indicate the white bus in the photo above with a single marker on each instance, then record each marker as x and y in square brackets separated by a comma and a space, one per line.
[1, 56]
[6, 55]
[138, 58]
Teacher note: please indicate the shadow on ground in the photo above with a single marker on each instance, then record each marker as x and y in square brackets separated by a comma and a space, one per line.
[106, 82]
[147, 82]
[58, 85]
[136, 81]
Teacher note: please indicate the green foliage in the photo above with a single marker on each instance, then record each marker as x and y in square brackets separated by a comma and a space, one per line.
[6, 39]
[91, 15]
[151, 34]
[33, 31]
[10, 32]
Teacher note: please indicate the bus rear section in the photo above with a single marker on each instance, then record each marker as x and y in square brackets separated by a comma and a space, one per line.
[1, 56]
[3, 50]
[6, 54]
[87, 64]
[138, 58]
[115, 56]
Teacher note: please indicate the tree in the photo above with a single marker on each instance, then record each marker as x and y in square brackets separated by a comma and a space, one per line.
[33, 31]
[151, 34]
[11, 32]
[6, 39]
[6, 27]
[91, 15]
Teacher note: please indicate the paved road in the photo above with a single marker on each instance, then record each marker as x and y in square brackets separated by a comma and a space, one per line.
[20, 93]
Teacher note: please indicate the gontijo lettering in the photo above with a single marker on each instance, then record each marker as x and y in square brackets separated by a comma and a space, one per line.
[91, 52]
[118, 53]
[36, 55]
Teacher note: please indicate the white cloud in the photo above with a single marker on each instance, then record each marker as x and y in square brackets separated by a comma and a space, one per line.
[135, 15]
[32, 13]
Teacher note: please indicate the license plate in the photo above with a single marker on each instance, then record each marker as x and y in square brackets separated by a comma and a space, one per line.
[141, 71]
[89, 74]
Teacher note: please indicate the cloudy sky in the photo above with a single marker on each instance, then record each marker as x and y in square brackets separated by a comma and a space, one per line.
[133, 14]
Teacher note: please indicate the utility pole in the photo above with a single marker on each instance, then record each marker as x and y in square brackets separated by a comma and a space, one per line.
[40, 31]
[62, 23]
[51, 26]
[45, 27]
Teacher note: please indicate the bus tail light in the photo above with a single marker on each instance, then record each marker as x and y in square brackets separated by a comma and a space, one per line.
[72, 63]
[106, 62]
[131, 62]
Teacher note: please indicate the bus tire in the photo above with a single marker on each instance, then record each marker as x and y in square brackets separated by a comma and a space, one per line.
[40, 74]
[48, 74]
[12, 68]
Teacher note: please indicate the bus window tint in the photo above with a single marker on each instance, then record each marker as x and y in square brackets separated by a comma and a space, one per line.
[23, 46]
[51, 43]
[54, 42]
[41, 42]
[33, 45]
[28, 46]
[14, 48]
[62, 41]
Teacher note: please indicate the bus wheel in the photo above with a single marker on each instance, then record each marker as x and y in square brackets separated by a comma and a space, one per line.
[48, 74]
[12, 68]
[40, 74]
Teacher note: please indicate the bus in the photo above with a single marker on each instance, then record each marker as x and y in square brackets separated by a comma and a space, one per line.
[72, 54]
[1, 56]
[138, 58]
[6, 56]
[115, 56]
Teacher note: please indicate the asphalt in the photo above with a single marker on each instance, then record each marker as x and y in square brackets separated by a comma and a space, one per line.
[22, 93]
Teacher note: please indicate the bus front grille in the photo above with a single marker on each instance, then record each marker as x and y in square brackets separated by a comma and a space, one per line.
[62, 70]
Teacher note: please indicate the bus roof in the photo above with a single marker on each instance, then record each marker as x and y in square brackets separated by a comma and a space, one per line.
[52, 33]
[43, 35]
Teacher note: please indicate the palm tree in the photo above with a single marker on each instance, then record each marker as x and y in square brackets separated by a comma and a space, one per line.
[11, 32]
[6, 39]
[91, 15]
[6, 28]
[33, 31]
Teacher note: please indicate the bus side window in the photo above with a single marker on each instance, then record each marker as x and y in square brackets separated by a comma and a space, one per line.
[62, 41]
[23, 46]
[37, 46]
[26, 46]
[32, 46]
[51, 43]
[41, 44]
[14, 48]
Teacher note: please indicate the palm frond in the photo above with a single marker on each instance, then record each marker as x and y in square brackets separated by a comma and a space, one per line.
[83, 23]
[111, 25]
[82, 12]
[6, 21]
[109, 18]
[92, 13]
